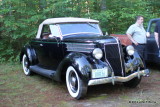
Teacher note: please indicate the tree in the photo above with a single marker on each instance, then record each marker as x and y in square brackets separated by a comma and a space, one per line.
[19, 19]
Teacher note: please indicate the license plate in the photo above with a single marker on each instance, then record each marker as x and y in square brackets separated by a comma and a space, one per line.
[100, 73]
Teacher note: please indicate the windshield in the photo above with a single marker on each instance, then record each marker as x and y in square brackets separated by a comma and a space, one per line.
[74, 28]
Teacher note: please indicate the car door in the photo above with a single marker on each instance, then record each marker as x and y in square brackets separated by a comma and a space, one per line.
[48, 47]
[52, 48]
[151, 47]
[53, 53]
[39, 44]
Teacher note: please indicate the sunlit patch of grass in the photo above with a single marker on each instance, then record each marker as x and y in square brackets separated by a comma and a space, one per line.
[138, 99]
[101, 97]
[124, 97]
[64, 104]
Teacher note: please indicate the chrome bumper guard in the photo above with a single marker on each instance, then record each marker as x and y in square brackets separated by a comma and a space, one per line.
[114, 79]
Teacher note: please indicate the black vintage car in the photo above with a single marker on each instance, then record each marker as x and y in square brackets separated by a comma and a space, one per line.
[75, 50]
[152, 51]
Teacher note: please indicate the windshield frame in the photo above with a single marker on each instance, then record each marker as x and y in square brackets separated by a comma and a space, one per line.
[98, 27]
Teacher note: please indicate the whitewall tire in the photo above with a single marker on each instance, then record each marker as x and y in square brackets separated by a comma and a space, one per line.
[25, 64]
[75, 85]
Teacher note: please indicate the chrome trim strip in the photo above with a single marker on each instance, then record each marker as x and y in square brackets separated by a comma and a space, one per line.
[61, 37]
[121, 60]
[80, 48]
[79, 51]
[80, 44]
[81, 33]
[114, 79]
[109, 43]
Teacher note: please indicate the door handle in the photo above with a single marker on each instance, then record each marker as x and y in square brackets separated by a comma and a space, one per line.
[41, 44]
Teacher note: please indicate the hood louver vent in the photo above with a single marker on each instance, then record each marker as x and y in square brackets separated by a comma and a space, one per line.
[80, 47]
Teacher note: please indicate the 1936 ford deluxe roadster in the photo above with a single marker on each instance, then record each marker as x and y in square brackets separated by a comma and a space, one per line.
[76, 51]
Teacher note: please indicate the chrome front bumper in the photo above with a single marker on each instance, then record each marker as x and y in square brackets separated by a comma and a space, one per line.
[114, 79]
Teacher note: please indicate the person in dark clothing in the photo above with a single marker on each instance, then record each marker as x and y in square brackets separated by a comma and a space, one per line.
[138, 36]
[157, 35]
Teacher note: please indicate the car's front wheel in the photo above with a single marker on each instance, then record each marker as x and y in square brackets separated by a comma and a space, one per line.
[25, 64]
[75, 85]
[133, 83]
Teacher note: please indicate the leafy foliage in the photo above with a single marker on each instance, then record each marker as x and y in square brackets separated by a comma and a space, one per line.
[19, 19]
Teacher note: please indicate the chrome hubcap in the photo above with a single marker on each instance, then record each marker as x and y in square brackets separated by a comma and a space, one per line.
[25, 64]
[73, 81]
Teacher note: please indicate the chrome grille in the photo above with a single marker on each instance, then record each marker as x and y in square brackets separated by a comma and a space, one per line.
[114, 57]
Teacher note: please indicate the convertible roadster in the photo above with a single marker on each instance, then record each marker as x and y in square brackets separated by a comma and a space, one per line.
[74, 50]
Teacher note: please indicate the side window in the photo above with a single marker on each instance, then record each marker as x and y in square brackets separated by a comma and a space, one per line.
[45, 32]
[152, 28]
[55, 30]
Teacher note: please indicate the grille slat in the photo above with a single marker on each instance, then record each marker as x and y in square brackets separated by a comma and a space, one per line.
[112, 54]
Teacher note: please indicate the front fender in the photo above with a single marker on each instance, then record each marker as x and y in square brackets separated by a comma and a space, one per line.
[83, 65]
[134, 63]
[79, 62]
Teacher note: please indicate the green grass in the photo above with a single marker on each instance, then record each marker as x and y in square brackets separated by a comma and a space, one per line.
[100, 97]
[18, 90]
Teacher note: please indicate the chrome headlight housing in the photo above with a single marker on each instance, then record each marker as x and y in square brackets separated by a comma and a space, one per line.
[97, 53]
[130, 50]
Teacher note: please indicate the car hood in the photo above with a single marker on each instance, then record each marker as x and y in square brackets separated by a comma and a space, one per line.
[90, 38]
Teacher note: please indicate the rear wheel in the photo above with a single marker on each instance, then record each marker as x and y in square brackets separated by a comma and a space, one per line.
[133, 83]
[75, 85]
[25, 64]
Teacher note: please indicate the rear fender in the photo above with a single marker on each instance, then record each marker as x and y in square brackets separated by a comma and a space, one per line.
[31, 54]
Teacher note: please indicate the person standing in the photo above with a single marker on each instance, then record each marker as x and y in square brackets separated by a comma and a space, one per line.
[138, 36]
[157, 35]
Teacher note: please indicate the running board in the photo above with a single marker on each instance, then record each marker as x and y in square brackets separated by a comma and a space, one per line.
[42, 71]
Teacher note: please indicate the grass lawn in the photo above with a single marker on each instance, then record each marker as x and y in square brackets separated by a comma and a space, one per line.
[18, 90]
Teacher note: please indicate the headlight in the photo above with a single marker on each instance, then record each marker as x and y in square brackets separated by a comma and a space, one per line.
[97, 53]
[130, 50]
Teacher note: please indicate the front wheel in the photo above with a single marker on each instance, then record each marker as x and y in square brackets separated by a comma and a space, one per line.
[75, 85]
[133, 83]
[25, 64]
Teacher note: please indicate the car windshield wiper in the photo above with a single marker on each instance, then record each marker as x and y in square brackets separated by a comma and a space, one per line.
[91, 25]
